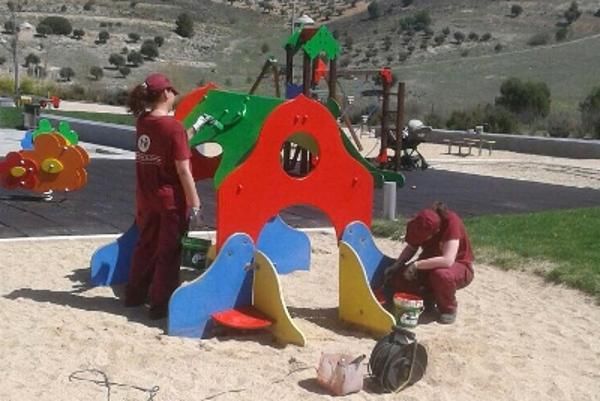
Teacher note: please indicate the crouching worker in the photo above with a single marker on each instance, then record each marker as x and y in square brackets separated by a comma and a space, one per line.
[444, 265]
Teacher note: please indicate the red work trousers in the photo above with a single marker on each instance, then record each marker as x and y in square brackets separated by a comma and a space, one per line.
[157, 256]
[439, 285]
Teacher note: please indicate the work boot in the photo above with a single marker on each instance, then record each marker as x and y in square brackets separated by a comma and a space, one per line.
[157, 312]
[447, 318]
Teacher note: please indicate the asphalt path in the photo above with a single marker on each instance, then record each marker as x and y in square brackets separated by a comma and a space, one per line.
[106, 204]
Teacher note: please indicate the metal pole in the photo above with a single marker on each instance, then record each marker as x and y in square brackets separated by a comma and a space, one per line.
[389, 200]
[384, 116]
[399, 124]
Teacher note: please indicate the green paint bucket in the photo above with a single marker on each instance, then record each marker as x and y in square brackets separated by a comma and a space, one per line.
[193, 253]
[408, 308]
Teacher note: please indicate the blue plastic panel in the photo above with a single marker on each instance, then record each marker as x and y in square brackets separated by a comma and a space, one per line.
[288, 248]
[111, 263]
[226, 284]
[359, 237]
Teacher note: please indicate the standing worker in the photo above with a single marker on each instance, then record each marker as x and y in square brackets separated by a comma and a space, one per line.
[444, 265]
[166, 196]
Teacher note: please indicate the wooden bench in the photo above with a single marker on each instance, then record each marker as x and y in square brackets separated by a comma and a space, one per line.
[459, 144]
[479, 143]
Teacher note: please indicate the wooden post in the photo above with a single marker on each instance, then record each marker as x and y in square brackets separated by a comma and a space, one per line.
[399, 124]
[289, 79]
[385, 108]
[260, 77]
[333, 79]
[307, 70]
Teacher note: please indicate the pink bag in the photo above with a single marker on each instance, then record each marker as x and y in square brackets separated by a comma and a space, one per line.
[340, 373]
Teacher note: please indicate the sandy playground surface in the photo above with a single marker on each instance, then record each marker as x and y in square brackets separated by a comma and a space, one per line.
[516, 338]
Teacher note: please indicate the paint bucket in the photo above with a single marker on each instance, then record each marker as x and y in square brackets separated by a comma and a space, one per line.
[193, 253]
[408, 308]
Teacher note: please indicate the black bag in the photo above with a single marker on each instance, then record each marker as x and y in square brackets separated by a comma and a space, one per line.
[398, 360]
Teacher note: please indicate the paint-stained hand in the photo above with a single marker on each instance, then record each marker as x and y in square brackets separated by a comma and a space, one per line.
[195, 219]
[391, 271]
[410, 272]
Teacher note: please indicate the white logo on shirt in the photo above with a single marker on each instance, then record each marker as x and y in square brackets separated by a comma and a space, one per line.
[143, 143]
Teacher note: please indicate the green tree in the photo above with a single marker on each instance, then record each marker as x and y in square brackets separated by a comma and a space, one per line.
[43, 30]
[590, 112]
[134, 37]
[135, 58]
[9, 26]
[374, 9]
[159, 40]
[117, 60]
[32, 58]
[66, 73]
[528, 99]
[149, 49]
[103, 36]
[516, 10]
[264, 48]
[124, 70]
[185, 25]
[459, 37]
[78, 33]
[572, 13]
[96, 72]
[561, 34]
[58, 25]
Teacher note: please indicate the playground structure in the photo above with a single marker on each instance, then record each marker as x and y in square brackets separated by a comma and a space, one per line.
[50, 160]
[241, 289]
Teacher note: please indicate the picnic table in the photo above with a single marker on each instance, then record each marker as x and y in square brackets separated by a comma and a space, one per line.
[468, 144]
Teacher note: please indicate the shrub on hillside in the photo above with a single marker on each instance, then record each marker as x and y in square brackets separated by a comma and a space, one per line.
[434, 120]
[590, 112]
[134, 37]
[439, 39]
[2, 60]
[135, 58]
[406, 3]
[459, 37]
[66, 73]
[561, 34]
[264, 48]
[124, 70]
[497, 119]
[374, 9]
[572, 13]
[58, 25]
[416, 22]
[185, 25]
[539, 39]
[498, 48]
[561, 125]
[116, 59]
[149, 49]
[446, 31]
[597, 13]
[485, 37]
[32, 58]
[529, 99]
[9, 26]
[159, 40]
[63, 8]
[89, 5]
[516, 10]
[103, 36]
[78, 33]
[96, 72]
[43, 30]
[473, 37]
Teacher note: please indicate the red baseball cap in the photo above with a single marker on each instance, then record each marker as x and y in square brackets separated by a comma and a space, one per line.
[422, 227]
[158, 82]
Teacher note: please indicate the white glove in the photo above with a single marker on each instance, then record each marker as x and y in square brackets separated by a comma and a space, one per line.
[201, 121]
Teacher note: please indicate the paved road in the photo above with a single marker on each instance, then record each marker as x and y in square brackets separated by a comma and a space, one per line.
[105, 205]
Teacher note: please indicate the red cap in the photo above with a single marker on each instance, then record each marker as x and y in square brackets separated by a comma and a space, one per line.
[158, 82]
[422, 227]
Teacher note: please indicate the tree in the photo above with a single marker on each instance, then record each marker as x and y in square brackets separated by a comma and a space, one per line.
[473, 37]
[185, 25]
[117, 60]
[590, 112]
[43, 30]
[264, 48]
[9, 26]
[124, 70]
[446, 31]
[374, 9]
[66, 73]
[2, 60]
[439, 39]
[134, 37]
[103, 36]
[527, 98]
[96, 72]
[32, 58]
[58, 25]
[63, 8]
[561, 34]
[78, 33]
[149, 49]
[516, 10]
[159, 40]
[572, 13]
[135, 58]
[459, 37]
[485, 37]
[88, 5]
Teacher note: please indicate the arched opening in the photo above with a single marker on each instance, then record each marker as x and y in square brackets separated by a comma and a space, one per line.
[299, 154]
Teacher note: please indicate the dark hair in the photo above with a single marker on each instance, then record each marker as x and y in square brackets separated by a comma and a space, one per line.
[441, 209]
[140, 99]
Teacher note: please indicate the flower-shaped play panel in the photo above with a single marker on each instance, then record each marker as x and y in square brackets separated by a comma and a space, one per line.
[17, 171]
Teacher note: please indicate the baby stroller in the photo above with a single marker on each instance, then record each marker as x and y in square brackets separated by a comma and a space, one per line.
[412, 136]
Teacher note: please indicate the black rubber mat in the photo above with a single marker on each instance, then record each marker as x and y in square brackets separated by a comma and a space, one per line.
[106, 204]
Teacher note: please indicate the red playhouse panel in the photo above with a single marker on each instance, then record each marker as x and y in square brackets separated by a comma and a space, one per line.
[320, 71]
[245, 318]
[259, 188]
[203, 167]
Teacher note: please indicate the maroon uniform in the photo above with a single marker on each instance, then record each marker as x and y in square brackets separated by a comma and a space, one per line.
[160, 209]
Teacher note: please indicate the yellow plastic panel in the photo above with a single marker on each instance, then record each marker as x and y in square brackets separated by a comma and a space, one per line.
[269, 300]
[358, 304]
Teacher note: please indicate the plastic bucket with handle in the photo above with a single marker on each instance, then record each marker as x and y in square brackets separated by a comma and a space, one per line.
[193, 253]
[408, 308]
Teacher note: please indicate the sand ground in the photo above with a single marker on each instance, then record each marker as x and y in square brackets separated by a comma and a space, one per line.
[516, 338]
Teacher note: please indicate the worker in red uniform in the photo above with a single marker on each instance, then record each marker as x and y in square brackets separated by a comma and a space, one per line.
[444, 265]
[166, 196]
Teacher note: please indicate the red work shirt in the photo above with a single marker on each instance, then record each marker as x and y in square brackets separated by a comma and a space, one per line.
[450, 228]
[161, 140]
